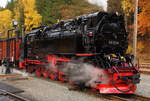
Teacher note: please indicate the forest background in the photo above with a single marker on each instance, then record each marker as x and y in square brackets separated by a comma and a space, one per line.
[35, 13]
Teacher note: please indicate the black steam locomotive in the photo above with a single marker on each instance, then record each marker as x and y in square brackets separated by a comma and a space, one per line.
[99, 38]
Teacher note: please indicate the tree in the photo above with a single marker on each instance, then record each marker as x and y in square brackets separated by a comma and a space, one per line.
[128, 9]
[11, 5]
[46, 9]
[143, 25]
[114, 6]
[19, 13]
[54, 10]
[144, 17]
[5, 22]
[77, 8]
[127, 6]
[32, 17]
[50, 10]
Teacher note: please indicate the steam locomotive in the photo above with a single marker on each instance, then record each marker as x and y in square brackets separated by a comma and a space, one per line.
[96, 43]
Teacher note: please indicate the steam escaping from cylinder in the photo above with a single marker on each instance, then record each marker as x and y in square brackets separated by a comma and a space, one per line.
[51, 67]
[101, 3]
[84, 73]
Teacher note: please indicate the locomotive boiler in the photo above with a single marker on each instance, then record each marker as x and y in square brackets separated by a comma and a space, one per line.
[93, 44]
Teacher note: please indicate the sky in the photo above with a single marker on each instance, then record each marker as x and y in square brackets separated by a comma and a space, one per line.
[3, 2]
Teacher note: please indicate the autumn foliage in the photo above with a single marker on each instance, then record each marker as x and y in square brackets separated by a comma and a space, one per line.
[128, 7]
[34, 13]
[27, 8]
[144, 17]
[5, 21]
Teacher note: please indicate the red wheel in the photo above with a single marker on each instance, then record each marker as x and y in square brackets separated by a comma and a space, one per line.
[61, 77]
[53, 76]
[30, 69]
[46, 73]
[38, 73]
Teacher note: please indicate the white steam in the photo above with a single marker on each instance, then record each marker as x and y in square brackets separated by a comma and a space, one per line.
[102, 3]
[84, 73]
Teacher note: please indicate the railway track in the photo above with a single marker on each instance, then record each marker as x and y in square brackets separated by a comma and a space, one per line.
[133, 97]
[8, 96]
[141, 98]
[13, 77]
[122, 97]
[10, 76]
[105, 97]
[119, 97]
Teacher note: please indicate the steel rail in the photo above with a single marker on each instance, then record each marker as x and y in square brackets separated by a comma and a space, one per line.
[13, 95]
[134, 97]
[142, 98]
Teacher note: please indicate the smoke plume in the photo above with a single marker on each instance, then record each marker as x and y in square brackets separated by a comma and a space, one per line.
[84, 73]
[102, 3]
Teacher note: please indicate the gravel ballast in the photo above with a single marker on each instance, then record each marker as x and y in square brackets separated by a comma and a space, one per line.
[144, 87]
[44, 90]
[37, 89]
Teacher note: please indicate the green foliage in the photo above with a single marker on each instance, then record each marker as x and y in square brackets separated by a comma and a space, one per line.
[54, 10]
[19, 13]
[1, 8]
[11, 5]
[115, 6]
[31, 12]
[48, 11]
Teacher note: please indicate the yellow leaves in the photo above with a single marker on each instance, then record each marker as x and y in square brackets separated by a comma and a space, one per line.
[129, 50]
[127, 6]
[17, 13]
[143, 16]
[18, 7]
[32, 18]
[25, 12]
[140, 46]
[5, 21]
